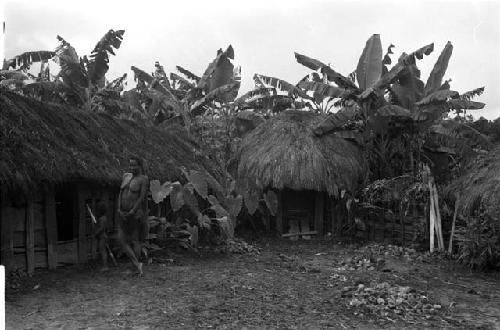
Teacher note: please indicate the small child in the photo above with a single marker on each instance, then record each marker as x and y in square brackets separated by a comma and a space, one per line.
[100, 233]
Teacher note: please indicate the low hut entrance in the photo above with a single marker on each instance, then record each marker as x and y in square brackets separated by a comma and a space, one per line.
[298, 212]
[67, 224]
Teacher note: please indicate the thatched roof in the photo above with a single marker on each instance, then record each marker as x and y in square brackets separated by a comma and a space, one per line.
[283, 152]
[42, 143]
[479, 187]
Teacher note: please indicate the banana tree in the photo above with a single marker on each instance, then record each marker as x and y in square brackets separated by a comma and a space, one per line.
[272, 95]
[185, 95]
[390, 102]
[84, 77]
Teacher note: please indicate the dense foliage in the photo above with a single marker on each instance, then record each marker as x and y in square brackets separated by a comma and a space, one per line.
[400, 122]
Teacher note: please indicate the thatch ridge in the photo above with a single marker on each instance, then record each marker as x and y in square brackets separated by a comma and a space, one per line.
[47, 143]
[479, 187]
[284, 152]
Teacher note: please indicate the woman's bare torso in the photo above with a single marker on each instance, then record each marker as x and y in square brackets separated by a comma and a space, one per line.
[131, 192]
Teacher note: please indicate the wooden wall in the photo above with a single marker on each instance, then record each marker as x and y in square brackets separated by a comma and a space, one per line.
[29, 228]
[393, 228]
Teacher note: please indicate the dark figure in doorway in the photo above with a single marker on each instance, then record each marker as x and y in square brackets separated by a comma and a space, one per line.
[100, 233]
[132, 210]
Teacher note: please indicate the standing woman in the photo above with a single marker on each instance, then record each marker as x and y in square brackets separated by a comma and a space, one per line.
[132, 207]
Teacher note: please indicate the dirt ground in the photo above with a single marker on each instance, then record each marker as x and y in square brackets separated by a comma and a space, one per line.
[288, 285]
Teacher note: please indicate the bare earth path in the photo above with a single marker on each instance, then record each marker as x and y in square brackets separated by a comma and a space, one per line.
[289, 285]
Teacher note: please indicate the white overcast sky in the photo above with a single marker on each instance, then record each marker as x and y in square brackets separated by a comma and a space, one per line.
[265, 33]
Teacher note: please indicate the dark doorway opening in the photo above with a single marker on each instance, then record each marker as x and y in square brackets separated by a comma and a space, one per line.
[298, 210]
[65, 214]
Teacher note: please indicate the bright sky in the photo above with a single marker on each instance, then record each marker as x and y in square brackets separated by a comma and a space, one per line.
[265, 33]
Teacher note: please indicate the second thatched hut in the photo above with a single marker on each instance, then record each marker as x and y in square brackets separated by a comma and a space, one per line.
[309, 173]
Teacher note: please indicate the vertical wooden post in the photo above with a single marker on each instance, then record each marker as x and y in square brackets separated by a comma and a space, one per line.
[319, 207]
[51, 227]
[109, 206]
[267, 219]
[30, 235]
[7, 244]
[333, 216]
[93, 242]
[82, 237]
[116, 218]
[279, 214]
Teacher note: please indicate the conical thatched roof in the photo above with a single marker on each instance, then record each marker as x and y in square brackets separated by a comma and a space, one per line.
[42, 143]
[479, 187]
[283, 152]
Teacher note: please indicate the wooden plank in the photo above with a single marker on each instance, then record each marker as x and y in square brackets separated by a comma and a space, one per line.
[109, 206]
[450, 243]
[7, 251]
[115, 212]
[267, 219]
[41, 259]
[319, 208]
[313, 232]
[279, 213]
[51, 227]
[93, 242]
[30, 236]
[82, 226]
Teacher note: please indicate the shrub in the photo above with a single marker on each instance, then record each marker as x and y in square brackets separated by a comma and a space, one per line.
[479, 244]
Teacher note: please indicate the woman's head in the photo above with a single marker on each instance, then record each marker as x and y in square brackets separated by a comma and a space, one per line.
[136, 165]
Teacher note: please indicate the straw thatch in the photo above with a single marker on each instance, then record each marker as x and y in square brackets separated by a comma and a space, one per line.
[42, 143]
[284, 152]
[479, 187]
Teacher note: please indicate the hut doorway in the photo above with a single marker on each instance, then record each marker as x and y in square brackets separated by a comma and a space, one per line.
[67, 225]
[298, 212]
[65, 208]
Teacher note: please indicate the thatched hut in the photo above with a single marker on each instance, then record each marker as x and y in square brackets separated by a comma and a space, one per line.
[308, 172]
[54, 160]
[479, 187]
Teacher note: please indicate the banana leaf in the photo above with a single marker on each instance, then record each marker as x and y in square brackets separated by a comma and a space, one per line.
[473, 93]
[188, 73]
[392, 110]
[369, 69]
[279, 84]
[98, 64]
[458, 104]
[321, 89]
[332, 75]
[140, 75]
[24, 60]
[336, 121]
[438, 71]
[438, 96]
